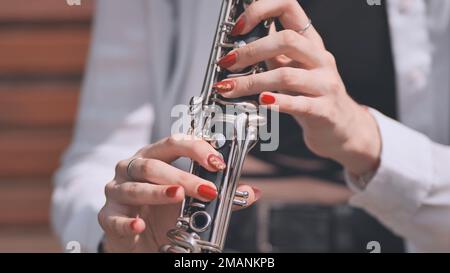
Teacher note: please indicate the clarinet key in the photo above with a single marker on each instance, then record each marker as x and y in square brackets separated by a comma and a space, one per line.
[240, 202]
[242, 194]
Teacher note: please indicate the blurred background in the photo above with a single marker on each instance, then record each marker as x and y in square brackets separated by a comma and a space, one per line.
[43, 48]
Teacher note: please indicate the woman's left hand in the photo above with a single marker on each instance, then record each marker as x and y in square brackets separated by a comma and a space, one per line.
[309, 85]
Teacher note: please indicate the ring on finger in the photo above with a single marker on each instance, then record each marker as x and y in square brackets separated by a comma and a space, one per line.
[130, 165]
[308, 25]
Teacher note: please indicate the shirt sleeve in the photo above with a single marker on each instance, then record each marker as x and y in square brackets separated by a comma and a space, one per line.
[410, 191]
[115, 120]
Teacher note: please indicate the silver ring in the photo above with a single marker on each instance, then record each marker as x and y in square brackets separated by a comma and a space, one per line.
[130, 165]
[308, 25]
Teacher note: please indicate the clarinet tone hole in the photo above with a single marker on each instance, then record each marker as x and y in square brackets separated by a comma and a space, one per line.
[200, 221]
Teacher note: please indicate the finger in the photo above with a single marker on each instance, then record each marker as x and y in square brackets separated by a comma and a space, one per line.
[281, 61]
[285, 79]
[278, 61]
[253, 195]
[161, 173]
[180, 145]
[286, 42]
[293, 105]
[119, 225]
[140, 194]
[289, 12]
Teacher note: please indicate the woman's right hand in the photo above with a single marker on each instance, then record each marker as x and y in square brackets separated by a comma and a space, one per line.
[143, 200]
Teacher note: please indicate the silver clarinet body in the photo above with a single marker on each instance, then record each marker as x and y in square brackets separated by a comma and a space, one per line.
[231, 127]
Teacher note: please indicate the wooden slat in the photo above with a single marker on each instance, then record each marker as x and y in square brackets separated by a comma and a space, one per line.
[24, 202]
[43, 51]
[35, 239]
[31, 153]
[34, 105]
[45, 10]
[43, 44]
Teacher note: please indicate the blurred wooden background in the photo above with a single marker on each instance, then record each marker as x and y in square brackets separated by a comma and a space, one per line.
[43, 48]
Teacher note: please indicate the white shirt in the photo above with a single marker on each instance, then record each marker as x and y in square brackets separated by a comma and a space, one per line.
[127, 97]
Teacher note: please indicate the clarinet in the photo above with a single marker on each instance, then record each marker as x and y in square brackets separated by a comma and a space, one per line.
[202, 226]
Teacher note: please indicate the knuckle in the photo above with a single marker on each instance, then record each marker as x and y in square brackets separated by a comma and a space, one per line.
[288, 77]
[290, 39]
[176, 140]
[121, 166]
[171, 140]
[114, 224]
[133, 190]
[249, 83]
[109, 188]
[101, 217]
[105, 220]
[183, 178]
[149, 168]
[260, 16]
[255, 12]
[250, 52]
[329, 58]
[156, 195]
[333, 86]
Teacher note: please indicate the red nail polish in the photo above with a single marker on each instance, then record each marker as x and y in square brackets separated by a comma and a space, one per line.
[267, 99]
[228, 60]
[238, 27]
[216, 162]
[134, 224]
[224, 86]
[257, 192]
[207, 192]
[172, 191]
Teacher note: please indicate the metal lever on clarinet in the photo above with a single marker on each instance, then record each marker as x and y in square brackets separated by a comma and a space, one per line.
[202, 226]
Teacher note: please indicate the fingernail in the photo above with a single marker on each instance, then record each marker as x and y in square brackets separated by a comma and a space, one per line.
[207, 192]
[228, 60]
[216, 162]
[172, 191]
[267, 99]
[257, 192]
[224, 86]
[134, 224]
[238, 27]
